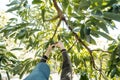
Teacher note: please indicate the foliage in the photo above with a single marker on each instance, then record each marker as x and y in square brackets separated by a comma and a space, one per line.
[7, 59]
[3, 18]
[75, 22]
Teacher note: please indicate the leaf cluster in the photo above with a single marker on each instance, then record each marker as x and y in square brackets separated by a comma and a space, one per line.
[37, 25]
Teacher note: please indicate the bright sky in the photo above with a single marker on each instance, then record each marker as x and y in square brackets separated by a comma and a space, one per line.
[3, 5]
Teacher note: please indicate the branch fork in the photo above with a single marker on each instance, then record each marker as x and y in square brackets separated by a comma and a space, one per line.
[62, 18]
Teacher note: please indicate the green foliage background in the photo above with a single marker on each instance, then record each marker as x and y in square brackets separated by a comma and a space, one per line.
[75, 22]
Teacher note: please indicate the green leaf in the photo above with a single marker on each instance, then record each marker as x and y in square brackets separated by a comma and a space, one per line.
[93, 33]
[26, 68]
[84, 76]
[97, 12]
[82, 32]
[14, 2]
[21, 34]
[112, 16]
[76, 29]
[118, 37]
[43, 15]
[46, 45]
[65, 4]
[22, 25]
[9, 54]
[25, 3]
[87, 30]
[0, 76]
[69, 9]
[12, 35]
[92, 41]
[112, 48]
[8, 76]
[51, 41]
[36, 1]
[2, 46]
[59, 37]
[78, 47]
[50, 2]
[104, 35]
[13, 19]
[37, 52]
[102, 26]
[84, 4]
[111, 2]
[17, 69]
[16, 49]
[76, 60]
[113, 72]
[13, 8]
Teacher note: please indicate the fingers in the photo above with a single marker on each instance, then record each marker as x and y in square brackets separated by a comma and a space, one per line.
[47, 53]
[60, 45]
[57, 44]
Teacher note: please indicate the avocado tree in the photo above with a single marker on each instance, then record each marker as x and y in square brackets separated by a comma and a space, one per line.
[38, 23]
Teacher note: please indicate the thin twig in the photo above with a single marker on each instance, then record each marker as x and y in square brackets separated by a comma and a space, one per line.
[77, 37]
[56, 29]
[104, 76]
[80, 41]
[100, 68]
[62, 17]
[72, 46]
[56, 17]
[100, 50]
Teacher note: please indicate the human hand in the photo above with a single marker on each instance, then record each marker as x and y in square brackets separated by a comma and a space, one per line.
[60, 45]
[49, 49]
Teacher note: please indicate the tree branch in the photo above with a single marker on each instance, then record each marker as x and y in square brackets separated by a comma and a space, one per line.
[100, 50]
[104, 76]
[61, 16]
[56, 29]
[71, 46]
[56, 17]
[80, 41]
[60, 13]
[76, 36]
[56, 6]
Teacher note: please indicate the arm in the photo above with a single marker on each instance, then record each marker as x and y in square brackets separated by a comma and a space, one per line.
[47, 53]
[42, 70]
[66, 67]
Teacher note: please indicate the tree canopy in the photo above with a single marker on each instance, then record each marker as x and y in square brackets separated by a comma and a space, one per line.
[77, 23]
